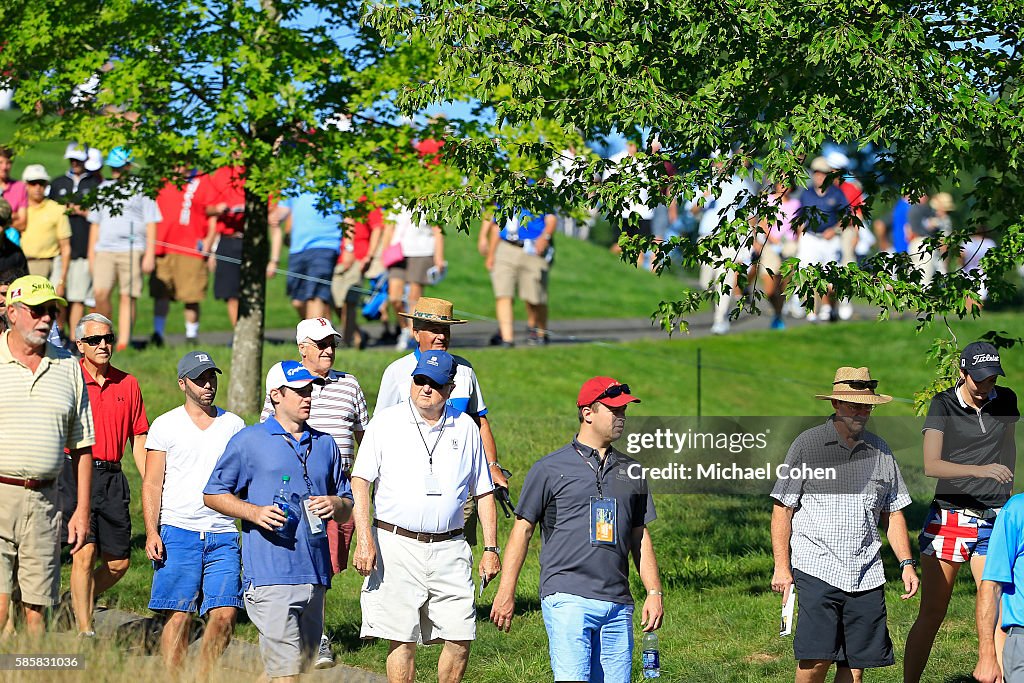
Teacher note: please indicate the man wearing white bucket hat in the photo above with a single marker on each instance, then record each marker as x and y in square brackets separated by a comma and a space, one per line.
[825, 535]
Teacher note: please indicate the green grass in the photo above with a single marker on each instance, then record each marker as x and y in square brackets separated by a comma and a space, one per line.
[714, 551]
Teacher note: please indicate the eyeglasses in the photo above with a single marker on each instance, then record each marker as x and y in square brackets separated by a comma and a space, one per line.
[326, 342]
[421, 380]
[94, 340]
[613, 391]
[859, 384]
[39, 311]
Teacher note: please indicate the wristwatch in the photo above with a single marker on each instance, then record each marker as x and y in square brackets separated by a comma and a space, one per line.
[496, 549]
[909, 561]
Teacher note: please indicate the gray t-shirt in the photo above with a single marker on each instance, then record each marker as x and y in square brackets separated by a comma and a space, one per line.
[123, 224]
[556, 494]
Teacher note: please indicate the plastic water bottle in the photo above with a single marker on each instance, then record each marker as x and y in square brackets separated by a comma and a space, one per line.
[649, 656]
[283, 501]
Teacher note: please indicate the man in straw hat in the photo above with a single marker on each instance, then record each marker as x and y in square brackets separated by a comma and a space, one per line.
[969, 447]
[432, 321]
[46, 409]
[825, 535]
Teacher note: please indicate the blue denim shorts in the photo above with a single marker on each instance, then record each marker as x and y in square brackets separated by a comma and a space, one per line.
[311, 263]
[201, 570]
[589, 640]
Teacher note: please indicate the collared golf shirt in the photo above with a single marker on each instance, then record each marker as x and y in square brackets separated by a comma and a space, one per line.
[835, 526]
[41, 413]
[394, 458]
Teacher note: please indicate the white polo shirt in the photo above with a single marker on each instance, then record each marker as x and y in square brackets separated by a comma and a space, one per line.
[397, 380]
[394, 458]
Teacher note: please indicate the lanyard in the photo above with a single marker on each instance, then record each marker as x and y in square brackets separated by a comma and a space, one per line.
[597, 472]
[303, 459]
[430, 450]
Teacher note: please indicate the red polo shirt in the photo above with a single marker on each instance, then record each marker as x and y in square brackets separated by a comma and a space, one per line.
[117, 412]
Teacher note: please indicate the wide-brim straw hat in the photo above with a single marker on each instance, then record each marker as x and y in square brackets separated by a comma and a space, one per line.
[434, 311]
[854, 385]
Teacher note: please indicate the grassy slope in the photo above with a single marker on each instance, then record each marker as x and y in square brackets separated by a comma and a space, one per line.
[580, 269]
[714, 550]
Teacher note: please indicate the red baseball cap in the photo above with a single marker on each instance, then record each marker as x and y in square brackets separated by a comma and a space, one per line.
[606, 390]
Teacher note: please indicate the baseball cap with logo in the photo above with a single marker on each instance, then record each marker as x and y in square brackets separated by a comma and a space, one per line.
[980, 360]
[195, 363]
[611, 392]
[437, 366]
[315, 329]
[93, 160]
[33, 290]
[290, 373]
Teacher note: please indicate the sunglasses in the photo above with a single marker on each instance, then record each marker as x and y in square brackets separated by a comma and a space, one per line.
[94, 340]
[613, 391]
[326, 342]
[421, 380]
[39, 311]
[859, 385]
[37, 182]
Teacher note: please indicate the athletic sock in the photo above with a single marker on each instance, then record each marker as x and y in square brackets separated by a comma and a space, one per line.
[191, 330]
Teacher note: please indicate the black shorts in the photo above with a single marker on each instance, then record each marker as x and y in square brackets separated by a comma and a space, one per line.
[227, 276]
[643, 227]
[841, 627]
[110, 524]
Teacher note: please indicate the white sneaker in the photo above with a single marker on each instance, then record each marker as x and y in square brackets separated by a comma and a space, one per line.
[812, 317]
[845, 309]
[825, 313]
[403, 339]
[796, 309]
[720, 327]
[324, 656]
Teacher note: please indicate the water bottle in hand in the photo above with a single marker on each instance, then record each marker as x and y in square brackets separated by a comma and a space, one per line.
[283, 501]
[650, 657]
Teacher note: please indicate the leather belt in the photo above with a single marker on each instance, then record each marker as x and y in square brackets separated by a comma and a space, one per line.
[514, 243]
[107, 465]
[1015, 631]
[34, 484]
[421, 536]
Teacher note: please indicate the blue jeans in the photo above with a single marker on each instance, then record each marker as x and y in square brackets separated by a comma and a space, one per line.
[197, 565]
[589, 640]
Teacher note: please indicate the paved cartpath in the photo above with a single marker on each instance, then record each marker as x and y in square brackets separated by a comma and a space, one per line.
[476, 334]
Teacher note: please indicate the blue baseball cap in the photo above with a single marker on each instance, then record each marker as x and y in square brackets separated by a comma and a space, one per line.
[290, 373]
[438, 366]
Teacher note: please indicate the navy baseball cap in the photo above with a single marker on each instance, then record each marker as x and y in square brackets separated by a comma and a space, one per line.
[438, 366]
[195, 363]
[980, 360]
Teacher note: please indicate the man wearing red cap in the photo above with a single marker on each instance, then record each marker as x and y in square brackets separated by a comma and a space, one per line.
[587, 505]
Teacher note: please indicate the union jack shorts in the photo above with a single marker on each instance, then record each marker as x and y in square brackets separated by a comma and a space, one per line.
[954, 536]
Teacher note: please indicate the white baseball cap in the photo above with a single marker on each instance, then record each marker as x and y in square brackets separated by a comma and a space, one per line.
[290, 373]
[837, 160]
[34, 172]
[93, 160]
[75, 151]
[315, 329]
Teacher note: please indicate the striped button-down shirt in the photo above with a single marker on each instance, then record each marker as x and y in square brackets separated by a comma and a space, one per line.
[41, 413]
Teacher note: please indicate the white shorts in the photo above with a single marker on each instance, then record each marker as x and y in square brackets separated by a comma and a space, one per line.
[419, 592]
[815, 250]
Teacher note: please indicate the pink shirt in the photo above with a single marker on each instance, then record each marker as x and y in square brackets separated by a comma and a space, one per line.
[16, 194]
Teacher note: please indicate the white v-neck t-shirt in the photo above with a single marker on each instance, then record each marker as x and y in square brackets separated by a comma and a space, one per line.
[192, 454]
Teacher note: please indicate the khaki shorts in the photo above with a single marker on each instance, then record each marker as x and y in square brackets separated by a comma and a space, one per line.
[180, 278]
[419, 592]
[121, 268]
[342, 284]
[29, 543]
[412, 269]
[78, 288]
[41, 266]
[515, 269]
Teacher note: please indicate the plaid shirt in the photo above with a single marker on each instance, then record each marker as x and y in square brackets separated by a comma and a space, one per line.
[835, 526]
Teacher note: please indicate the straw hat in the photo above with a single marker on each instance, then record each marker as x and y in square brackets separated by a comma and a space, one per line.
[854, 385]
[434, 311]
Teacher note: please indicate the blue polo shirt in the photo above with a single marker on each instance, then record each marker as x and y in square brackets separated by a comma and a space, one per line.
[311, 227]
[253, 463]
[821, 212]
[556, 495]
[525, 227]
[1005, 547]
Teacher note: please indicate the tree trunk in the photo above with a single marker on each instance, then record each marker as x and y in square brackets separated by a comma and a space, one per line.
[245, 389]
